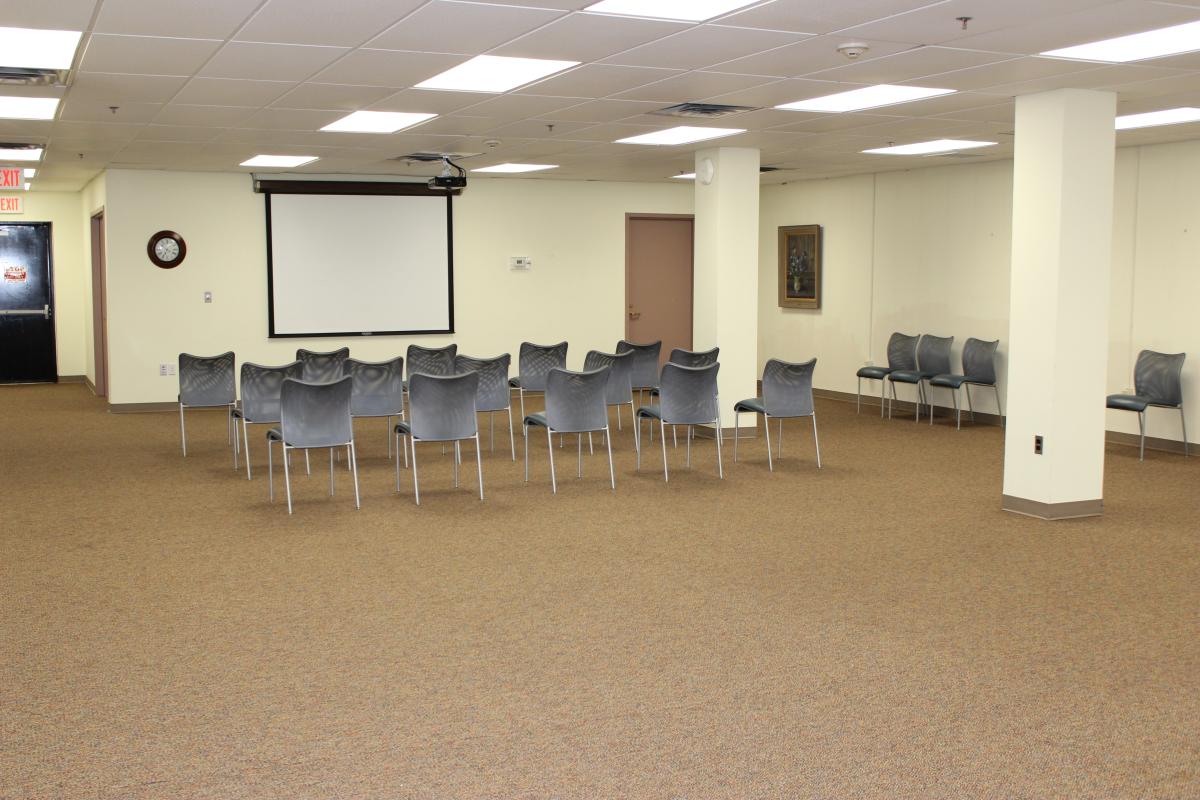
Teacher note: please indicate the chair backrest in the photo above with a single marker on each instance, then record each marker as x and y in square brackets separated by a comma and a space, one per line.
[431, 360]
[1158, 377]
[322, 367]
[261, 388]
[316, 414]
[694, 358]
[902, 351]
[378, 387]
[536, 361]
[645, 362]
[933, 354]
[206, 380]
[979, 360]
[442, 407]
[493, 393]
[620, 376]
[787, 388]
[688, 395]
[575, 401]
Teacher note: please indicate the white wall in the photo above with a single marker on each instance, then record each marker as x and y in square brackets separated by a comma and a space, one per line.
[927, 251]
[573, 231]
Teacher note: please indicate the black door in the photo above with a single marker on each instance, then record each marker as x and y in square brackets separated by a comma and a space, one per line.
[26, 304]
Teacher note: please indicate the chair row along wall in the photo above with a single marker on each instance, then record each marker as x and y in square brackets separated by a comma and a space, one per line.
[920, 251]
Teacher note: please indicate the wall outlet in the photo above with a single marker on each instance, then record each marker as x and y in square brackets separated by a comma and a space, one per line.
[520, 262]
[208, 297]
[166, 369]
[1038, 444]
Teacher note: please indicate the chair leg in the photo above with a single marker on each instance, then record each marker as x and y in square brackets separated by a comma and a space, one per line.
[920, 397]
[662, 429]
[720, 436]
[591, 452]
[767, 431]
[331, 472]
[270, 473]
[550, 448]
[479, 465]
[307, 464]
[246, 446]
[521, 396]
[287, 474]
[416, 483]
[1142, 441]
[816, 440]
[637, 441]
[354, 472]
[970, 405]
[857, 403]
[492, 430]
[619, 416]
[892, 399]
[389, 438]
[736, 427]
[1183, 424]
[182, 431]
[958, 410]
[999, 410]
[512, 445]
[457, 461]
[578, 455]
[237, 442]
[612, 475]
[398, 461]
[687, 436]
[882, 391]
[779, 450]
[525, 435]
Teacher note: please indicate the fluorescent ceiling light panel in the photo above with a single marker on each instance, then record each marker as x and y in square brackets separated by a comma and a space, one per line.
[38, 49]
[870, 97]
[687, 176]
[685, 10]
[929, 148]
[516, 168]
[684, 134]
[29, 173]
[494, 74]
[27, 186]
[279, 161]
[1136, 47]
[376, 122]
[1170, 116]
[20, 154]
[27, 107]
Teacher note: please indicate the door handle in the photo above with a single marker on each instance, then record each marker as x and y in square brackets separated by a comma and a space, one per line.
[635, 315]
[44, 311]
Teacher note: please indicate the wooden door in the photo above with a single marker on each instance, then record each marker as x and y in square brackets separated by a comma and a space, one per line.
[658, 280]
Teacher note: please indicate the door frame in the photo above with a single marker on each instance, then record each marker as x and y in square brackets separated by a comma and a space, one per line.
[630, 216]
[49, 284]
[99, 266]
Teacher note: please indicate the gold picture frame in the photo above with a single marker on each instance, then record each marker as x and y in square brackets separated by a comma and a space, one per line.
[800, 267]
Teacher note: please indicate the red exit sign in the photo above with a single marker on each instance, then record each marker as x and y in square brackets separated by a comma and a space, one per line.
[11, 178]
[12, 205]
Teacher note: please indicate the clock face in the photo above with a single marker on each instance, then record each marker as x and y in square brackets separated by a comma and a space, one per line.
[166, 249]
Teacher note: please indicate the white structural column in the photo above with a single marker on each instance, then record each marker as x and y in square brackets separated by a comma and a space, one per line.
[725, 289]
[1058, 317]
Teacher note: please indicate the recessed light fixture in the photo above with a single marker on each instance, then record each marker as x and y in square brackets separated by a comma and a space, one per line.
[494, 74]
[686, 10]
[516, 168]
[29, 173]
[686, 176]
[38, 49]
[684, 134]
[279, 161]
[1170, 116]
[28, 107]
[376, 122]
[1137, 46]
[20, 154]
[869, 97]
[929, 148]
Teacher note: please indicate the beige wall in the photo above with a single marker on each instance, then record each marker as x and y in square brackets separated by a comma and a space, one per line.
[91, 200]
[61, 210]
[573, 231]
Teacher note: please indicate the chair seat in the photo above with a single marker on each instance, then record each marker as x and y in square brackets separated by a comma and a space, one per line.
[955, 381]
[1128, 402]
[875, 373]
[537, 419]
[650, 411]
[752, 404]
[909, 376]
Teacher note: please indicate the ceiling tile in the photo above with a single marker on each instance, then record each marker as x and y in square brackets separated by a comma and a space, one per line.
[98, 111]
[563, 5]
[269, 62]
[826, 123]
[146, 55]
[292, 119]
[1005, 72]
[597, 111]
[216, 116]
[459, 125]
[350, 24]
[703, 46]
[779, 92]
[430, 101]
[231, 92]
[531, 128]
[177, 133]
[805, 57]
[117, 89]
[467, 28]
[597, 80]
[517, 106]
[211, 19]
[332, 96]
[693, 87]
[62, 15]
[910, 65]
[387, 67]
[820, 17]
[588, 37]
[938, 23]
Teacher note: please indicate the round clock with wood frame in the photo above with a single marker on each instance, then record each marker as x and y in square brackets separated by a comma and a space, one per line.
[166, 249]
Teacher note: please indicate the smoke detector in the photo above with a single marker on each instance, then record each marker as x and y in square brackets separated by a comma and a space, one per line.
[853, 50]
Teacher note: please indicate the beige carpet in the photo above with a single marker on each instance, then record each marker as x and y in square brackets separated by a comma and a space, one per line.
[878, 629]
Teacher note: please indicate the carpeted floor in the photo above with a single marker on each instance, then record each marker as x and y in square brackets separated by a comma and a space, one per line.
[878, 629]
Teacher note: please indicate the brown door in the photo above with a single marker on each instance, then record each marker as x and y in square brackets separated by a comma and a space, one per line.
[99, 306]
[658, 280]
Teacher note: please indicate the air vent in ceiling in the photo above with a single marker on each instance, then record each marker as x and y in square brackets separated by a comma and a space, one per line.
[21, 76]
[20, 146]
[702, 110]
[434, 157]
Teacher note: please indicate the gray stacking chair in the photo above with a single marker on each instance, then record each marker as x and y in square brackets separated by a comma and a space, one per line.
[314, 415]
[979, 369]
[687, 396]
[787, 393]
[576, 402]
[208, 382]
[533, 366]
[493, 394]
[687, 358]
[1157, 382]
[933, 358]
[620, 379]
[261, 390]
[322, 367]
[431, 360]
[441, 409]
[644, 374]
[378, 391]
[902, 355]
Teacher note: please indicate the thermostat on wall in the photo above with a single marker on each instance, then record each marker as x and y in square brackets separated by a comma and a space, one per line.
[520, 262]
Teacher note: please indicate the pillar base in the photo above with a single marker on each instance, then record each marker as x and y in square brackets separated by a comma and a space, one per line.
[1052, 511]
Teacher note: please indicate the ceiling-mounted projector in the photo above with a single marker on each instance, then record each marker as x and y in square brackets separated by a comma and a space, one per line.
[452, 177]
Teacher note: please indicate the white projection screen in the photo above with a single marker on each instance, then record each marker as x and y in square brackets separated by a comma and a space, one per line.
[359, 264]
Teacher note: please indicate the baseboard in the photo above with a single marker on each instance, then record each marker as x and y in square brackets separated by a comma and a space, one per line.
[91, 385]
[73, 379]
[1152, 442]
[143, 408]
[1052, 511]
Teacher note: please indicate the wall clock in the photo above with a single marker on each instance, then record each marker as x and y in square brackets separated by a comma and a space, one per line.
[705, 171]
[166, 249]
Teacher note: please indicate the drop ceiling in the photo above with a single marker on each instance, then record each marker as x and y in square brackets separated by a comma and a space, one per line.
[178, 84]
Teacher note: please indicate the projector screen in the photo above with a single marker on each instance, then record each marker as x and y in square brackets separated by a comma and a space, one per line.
[359, 264]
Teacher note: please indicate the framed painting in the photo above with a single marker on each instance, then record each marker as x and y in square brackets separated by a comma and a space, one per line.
[800, 266]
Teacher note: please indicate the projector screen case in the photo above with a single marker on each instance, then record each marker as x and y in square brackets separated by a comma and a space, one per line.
[347, 263]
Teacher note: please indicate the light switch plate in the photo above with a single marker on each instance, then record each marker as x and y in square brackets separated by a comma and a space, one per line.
[520, 262]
